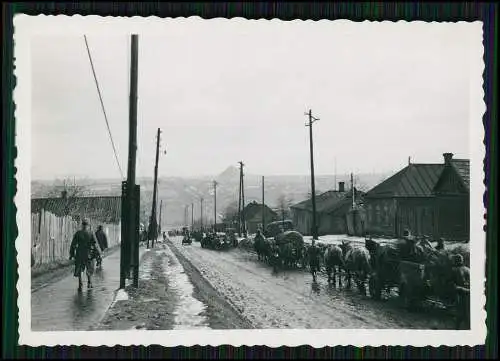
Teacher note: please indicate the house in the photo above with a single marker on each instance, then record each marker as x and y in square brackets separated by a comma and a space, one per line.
[55, 220]
[427, 199]
[331, 210]
[452, 194]
[253, 216]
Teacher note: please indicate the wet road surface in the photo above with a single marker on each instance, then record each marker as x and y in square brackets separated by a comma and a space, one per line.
[291, 299]
[60, 307]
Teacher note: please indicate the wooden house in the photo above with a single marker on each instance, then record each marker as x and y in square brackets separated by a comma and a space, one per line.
[428, 199]
[253, 213]
[332, 208]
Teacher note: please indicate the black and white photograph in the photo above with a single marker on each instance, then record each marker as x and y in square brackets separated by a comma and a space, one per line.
[185, 181]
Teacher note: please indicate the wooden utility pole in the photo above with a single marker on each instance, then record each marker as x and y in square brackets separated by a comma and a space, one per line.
[263, 207]
[313, 190]
[129, 250]
[153, 226]
[192, 216]
[159, 217]
[352, 190]
[201, 214]
[215, 206]
[242, 202]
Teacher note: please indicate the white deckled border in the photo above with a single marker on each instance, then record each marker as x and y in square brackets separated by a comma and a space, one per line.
[26, 27]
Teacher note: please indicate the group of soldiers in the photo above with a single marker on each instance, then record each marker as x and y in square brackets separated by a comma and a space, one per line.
[87, 249]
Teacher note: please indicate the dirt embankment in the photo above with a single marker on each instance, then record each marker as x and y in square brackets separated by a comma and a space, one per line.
[151, 306]
[157, 303]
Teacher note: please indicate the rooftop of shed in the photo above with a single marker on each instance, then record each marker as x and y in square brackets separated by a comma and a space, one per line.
[106, 209]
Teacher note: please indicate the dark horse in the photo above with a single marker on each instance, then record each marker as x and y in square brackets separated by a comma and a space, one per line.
[357, 263]
[334, 263]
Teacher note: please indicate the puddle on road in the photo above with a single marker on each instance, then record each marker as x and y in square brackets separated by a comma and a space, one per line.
[189, 311]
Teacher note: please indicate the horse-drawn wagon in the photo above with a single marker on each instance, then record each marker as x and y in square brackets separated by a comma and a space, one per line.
[418, 272]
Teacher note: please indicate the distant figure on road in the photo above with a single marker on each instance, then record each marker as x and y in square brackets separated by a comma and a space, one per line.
[164, 236]
[84, 250]
[102, 240]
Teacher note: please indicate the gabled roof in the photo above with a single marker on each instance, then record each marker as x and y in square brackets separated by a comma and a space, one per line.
[328, 202]
[415, 180]
[254, 210]
[105, 209]
[462, 166]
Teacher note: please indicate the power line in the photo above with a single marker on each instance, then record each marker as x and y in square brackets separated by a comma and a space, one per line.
[102, 106]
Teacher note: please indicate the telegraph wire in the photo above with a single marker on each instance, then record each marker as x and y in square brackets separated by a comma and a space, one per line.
[102, 106]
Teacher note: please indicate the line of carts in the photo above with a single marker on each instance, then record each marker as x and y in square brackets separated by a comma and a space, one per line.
[215, 241]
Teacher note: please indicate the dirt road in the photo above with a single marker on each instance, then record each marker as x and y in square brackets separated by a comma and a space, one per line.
[290, 299]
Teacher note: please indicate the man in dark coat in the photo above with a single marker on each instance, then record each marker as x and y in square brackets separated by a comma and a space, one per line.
[461, 283]
[84, 250]
[102, 240]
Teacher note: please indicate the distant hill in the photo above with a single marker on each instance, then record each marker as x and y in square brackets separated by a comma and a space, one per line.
[177, 192]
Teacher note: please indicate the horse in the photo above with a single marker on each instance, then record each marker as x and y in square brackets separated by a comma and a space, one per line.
[259, 247]
[334, 262]
[357, 263]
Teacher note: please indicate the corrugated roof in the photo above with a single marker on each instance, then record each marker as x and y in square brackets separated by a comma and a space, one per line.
[415, 180]
[462, 166]
[105, 209]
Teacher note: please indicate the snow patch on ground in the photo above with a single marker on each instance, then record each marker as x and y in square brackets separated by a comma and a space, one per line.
[189, 312]
[121, 295]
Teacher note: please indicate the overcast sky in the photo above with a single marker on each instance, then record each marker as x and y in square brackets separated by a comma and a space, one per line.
[225, 91]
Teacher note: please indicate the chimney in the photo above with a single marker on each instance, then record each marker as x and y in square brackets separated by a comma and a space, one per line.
[447, 158]
[341, 187]
[64, 194]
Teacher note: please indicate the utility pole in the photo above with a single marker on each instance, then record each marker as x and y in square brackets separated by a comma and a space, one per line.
[215, 206]
[159, 217]
[153, 225]
[129, 242]
[242, 202]
[352, 190]
[201, 214]
[313, 190]
[263, 207]
[192, 217]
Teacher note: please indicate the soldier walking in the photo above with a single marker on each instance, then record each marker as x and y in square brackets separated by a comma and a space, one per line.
[84, 251]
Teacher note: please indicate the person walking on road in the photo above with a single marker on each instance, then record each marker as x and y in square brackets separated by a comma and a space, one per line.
[102, 240]
[84, 251]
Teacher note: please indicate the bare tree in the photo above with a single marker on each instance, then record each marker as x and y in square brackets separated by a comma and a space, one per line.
[284, 206]
[69, 189]
[230, 214]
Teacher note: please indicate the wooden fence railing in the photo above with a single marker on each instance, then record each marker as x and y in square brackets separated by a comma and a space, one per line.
[51, 236]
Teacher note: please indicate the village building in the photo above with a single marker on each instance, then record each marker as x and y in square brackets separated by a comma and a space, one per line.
[54, 221]
[253, 212]
[332, 208]
[427, 199]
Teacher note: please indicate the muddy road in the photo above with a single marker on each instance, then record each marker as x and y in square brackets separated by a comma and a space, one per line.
[290, 299]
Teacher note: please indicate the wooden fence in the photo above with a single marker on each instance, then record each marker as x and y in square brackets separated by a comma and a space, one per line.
[51, 236]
